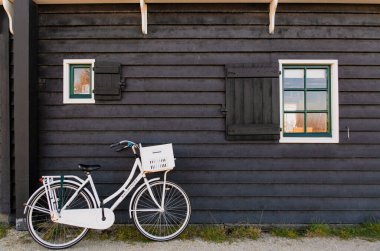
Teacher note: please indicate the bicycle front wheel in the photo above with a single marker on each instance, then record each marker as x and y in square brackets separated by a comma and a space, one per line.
[165, 224]
[51, 234]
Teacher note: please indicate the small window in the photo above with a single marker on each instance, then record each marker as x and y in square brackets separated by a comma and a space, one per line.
[78, 81]
[309, 101]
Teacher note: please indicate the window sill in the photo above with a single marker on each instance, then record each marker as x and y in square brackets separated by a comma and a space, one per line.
[79, 101]
[307, 140]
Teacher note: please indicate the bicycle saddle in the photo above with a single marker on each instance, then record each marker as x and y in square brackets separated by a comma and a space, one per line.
[88, 168]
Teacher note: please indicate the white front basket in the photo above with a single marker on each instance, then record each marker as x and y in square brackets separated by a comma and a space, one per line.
[157, 158]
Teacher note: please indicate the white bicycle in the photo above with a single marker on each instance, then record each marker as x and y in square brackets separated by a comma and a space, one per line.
[60, 212]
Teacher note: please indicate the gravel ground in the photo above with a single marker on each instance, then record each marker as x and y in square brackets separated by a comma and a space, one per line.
[20, 241]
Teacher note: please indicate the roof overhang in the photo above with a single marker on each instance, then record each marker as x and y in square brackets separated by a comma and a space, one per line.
[201, 1]
[8, 6]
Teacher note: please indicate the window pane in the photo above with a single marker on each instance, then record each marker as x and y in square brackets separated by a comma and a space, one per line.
[82, 80]
[316, 78]
[316, 100]
[294, 122]
[293, 100]
[293, 78]
[316, 122]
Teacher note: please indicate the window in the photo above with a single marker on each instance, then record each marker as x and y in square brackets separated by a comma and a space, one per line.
[309, 101]
[78, 81]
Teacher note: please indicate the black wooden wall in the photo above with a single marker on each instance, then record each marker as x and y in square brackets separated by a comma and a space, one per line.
[175, 78]
[5, 118]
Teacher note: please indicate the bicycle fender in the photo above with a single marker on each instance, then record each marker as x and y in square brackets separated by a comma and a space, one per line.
[135, 193]
[55, 182]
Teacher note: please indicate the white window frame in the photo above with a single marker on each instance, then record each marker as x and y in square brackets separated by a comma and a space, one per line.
[334, 109]
[66, 81]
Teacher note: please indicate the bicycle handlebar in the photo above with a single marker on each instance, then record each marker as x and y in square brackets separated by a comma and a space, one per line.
[124, 145]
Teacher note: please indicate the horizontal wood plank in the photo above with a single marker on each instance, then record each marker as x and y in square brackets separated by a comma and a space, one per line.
[199, 31]
[284, 217]
[118, 110]
[124, 163]
[177, 58]
[131, 124]
[356, 72]
[211, 8]
[359, 111]
[270, 191]
[208, 45]
[230, 150]
[93, 132]
[193, 18]
[155, 85]
[152, 98]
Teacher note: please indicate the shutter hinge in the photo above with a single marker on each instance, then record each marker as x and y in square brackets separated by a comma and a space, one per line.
[231, 73]
[279, 72]
[223, 110]
[123, 83]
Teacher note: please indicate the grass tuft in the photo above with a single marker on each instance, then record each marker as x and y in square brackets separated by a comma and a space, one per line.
[229, 233]
[318, 230]
[125, 233]
[245, 232]
[3, 230]
[213, 233]
[129, 234]
[285, 232]
[220, 233]
[368, 231]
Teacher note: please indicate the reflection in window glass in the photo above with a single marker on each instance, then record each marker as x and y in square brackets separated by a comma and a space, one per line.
[294, 78]
[294, 123]
[316, 122]
[82, 80]
[316, 78]
[293, 100]
[316, 100]
[306, 101]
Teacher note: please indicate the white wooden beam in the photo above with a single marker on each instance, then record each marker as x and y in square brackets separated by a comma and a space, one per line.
[203, 1]
[144, 17]
[272, 13]
[8, 7]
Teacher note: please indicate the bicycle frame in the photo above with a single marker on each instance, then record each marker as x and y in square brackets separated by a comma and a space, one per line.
[122, 192]
[64, 208]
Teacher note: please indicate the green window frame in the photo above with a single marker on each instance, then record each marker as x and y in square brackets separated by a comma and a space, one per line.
[305, 111]
[73, 95]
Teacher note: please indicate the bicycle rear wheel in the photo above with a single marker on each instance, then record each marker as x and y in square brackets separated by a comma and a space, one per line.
[48, 233]
[162, 225]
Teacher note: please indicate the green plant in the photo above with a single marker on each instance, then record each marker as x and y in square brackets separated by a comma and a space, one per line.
[211, 233]
[318, 230]
[244, 232]
[127, 233]
[3, 230]
[220, 233]
[191, 232]
[285, 232]
[223, 233]
[368, 231]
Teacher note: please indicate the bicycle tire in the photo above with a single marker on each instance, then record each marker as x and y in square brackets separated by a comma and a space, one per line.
[48, 233]
[166, 225]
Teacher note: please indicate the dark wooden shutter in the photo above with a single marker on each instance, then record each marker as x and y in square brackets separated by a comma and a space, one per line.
[252, 102]
[107, 81]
